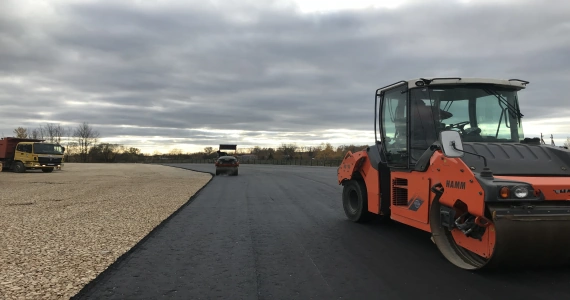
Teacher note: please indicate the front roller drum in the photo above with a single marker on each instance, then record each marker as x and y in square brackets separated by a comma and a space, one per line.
[517, 237]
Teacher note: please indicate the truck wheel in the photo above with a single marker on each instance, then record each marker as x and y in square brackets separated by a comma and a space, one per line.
[47, 170]
[355, 201]
[19, 167]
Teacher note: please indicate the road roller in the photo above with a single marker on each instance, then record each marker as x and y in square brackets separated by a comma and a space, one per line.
[450, 158]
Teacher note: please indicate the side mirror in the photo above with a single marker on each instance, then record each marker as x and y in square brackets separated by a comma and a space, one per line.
[450, 141]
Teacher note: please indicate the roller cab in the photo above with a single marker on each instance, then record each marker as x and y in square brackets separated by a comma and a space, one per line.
[450, 158]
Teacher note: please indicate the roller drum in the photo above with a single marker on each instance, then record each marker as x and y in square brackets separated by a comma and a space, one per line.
[531, 236]
[524, 236]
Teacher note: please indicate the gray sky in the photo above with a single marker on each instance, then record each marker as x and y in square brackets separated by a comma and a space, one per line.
[190, 74]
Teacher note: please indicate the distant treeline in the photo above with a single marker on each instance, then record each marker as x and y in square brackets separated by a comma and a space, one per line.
[81, 145]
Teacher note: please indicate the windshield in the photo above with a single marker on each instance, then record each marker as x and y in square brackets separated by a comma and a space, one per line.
[41, 148]
[482, 113]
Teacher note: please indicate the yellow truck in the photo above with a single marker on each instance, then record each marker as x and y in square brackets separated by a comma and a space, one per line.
[19, 155]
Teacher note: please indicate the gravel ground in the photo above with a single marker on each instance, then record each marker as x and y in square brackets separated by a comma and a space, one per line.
[59, 230]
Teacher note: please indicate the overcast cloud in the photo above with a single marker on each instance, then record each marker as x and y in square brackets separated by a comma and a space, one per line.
[191, 74]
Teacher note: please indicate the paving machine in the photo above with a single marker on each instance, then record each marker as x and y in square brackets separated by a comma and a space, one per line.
[452, 160]
[226, 147]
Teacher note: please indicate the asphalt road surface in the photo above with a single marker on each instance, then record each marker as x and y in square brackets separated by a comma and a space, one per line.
[279, 232]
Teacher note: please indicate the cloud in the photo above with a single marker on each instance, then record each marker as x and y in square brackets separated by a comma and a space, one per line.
[183, 69]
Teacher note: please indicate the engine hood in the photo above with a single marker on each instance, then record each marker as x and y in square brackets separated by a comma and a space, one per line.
[518, 159]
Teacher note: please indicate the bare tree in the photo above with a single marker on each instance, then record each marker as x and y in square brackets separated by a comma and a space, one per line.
[175, 151]
[69, 135]
[21, 133]
[35, 134]
[50, 132]
[134, 151]
[105, 152]
[41, 132]
[60, 133]
[71, 151]
[53, 132]
[288, 150]
[86, 138]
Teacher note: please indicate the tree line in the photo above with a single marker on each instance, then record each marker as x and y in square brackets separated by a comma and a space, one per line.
[82, 145]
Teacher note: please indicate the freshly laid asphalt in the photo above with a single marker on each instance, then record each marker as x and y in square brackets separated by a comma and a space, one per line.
[279, 232]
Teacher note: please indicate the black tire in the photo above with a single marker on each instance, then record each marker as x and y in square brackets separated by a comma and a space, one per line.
[355, 201]
[217, 172]
[19, 167]
[236, 173]
[47, 170]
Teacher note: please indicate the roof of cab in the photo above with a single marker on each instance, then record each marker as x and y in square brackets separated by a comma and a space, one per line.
[429, 81]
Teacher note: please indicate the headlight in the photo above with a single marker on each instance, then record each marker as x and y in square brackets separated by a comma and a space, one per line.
[515, 192]
[520, 192]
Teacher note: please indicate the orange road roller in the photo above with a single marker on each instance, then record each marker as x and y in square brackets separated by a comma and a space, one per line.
[450, 158]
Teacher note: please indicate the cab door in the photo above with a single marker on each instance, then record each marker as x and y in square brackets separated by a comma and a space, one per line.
[23, 153]
[394, 124]
[409, 190]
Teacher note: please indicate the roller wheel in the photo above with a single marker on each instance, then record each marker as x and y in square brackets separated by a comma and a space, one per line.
[47, 170]
[450, 248]
[355, 201]
[518, 239]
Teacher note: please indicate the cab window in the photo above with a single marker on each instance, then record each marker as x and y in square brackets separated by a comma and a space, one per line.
[27, 148]
[395, 126]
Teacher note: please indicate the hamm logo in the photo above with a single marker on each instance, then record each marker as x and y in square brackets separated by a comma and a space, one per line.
[455, 184]
[562, 191]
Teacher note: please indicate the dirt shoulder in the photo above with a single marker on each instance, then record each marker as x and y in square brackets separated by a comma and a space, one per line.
[59, 230]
